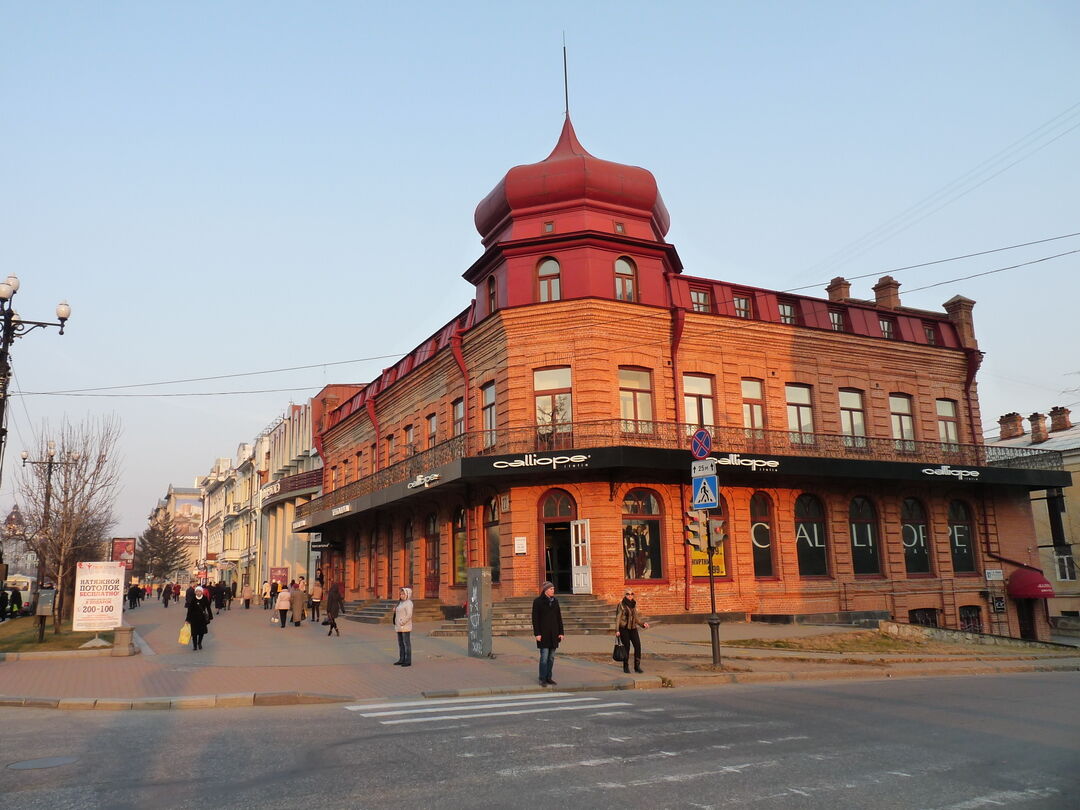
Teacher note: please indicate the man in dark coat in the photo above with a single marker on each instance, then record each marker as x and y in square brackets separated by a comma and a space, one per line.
[547, 627]
[3, 602]
[15, 603]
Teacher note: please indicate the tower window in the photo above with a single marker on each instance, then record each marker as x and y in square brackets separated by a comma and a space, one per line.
[625, 280]
[549, 227]
[548, 276]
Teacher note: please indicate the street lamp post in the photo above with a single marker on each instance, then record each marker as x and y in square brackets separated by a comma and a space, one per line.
[50, 461]
[11, 327]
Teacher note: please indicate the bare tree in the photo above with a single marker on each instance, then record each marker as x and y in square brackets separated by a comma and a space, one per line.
[67, 503]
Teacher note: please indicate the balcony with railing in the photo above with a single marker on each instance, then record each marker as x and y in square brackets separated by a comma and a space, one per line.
[676, 436]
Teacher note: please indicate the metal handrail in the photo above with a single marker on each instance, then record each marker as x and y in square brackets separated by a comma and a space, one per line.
[676, 436]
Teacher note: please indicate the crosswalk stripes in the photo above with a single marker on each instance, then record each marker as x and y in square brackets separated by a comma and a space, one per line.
[430, 711]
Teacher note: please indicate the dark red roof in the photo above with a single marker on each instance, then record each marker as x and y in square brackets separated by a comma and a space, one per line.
[570, 175]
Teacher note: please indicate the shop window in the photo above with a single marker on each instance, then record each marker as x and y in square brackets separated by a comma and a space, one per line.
[914, 533]
[431, 422]
[635, 400]
[701, 299]
[753, 408]
[641, 535]
[961, 538]
[553, 405]
[457, 416]
[698, 401]
[460, 547]
[800, 414]
[925, 617]
[948, 424]
[971, 619]
[811, 541]
[743, 306]
[852, 417]
[761, 535]
[494, 538]
[788, 313]
[625, 280]
[548, 276]
[865, 553]
[431, 554]
[1065, 565]
[487, 413]
[903, 422]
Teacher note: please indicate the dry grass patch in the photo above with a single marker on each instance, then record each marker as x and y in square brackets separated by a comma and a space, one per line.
[865, 641]
[20, 635]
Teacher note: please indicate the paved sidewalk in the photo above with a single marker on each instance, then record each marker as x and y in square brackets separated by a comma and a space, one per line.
[250, 660]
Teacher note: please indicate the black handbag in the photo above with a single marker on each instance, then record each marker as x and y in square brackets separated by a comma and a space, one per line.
[620, 653]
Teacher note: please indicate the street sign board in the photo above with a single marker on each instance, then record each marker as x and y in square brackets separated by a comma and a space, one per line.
[705, 466]
[995, 575]
[701, 444]
[705, 490]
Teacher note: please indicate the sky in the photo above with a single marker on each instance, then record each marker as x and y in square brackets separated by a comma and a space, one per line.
[221, 188]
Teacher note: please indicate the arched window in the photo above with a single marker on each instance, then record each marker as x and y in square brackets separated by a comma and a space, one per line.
[914, 533]
[961, 538]
[625, 280]
[811, 543]
[558, 504]
[641, 535]
[865, 556]
[431, 555]
[460, 539]
[492, 294]
[548, 286]
[761, 534]
[494, 545]
[407, 541]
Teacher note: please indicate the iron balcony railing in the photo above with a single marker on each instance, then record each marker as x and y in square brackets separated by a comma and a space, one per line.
[675, 436]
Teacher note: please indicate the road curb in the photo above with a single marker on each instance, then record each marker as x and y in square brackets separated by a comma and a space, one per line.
[226, 701]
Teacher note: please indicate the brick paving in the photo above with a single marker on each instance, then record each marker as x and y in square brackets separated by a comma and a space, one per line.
[246, 653]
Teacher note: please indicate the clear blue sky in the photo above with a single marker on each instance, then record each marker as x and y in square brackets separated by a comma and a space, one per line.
[238, 186]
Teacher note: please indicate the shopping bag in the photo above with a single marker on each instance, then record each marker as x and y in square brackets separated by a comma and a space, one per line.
[185, 633]
[620, 653]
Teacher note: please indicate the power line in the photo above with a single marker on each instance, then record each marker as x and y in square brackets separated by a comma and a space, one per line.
[991, 272]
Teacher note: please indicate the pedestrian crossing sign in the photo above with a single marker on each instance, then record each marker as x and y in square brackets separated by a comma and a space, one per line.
[705, 490]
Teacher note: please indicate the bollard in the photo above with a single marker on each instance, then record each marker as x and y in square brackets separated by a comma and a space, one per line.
[122, 643]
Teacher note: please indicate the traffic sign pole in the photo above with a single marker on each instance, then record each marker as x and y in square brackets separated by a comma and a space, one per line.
[705, 482]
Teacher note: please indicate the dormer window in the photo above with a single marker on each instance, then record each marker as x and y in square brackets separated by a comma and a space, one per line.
[625, 280]
[930, 330]
[836, 320]
[888, 328]
[788, 313]
[547, 281]
[701, 299]
[743, 307]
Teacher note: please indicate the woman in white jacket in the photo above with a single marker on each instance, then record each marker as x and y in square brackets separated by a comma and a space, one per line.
[403, 625]
[283, 603]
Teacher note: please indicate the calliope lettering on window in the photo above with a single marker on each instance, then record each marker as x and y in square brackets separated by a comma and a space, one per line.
[866, 541]
[808, 534]
[767, 534]
[914, 536]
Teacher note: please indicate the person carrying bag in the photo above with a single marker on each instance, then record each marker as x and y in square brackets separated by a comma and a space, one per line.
[627, 621]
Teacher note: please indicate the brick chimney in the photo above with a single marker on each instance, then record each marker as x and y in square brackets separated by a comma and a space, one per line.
[839, 289]
[1059, 419]
[959, 309]
[1012, 426]
[1038, 428]
[887, 292]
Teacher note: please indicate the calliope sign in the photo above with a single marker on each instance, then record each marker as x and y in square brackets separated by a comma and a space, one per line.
[99, 596]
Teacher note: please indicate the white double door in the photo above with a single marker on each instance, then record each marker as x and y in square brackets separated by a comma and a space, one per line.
[580, 556]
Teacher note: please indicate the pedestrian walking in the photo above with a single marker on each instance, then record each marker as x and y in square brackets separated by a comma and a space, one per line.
[3, 603]
[334, 602]
[15, 603]
[166, 593]
[199, 615]
[316, 600]
[297, 598]
[246, 595]
[133, 597]
[275, 586]
[627, 622]
[282, 605]
[266, 595]
[403, 612]
[547, 625]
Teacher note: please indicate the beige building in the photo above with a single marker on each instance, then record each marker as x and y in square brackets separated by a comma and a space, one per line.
[1056, 513]
[212, 486]
[185, 506]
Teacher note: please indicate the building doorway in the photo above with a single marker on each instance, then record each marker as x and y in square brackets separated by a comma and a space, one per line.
[431, 557]
[557, 511]
[1025, 614]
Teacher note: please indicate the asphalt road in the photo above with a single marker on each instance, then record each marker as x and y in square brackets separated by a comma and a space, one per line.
[940, 743]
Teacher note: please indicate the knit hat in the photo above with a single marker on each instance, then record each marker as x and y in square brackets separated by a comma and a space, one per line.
[545, 585]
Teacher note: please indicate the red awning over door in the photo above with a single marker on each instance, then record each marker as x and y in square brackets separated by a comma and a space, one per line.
[1025, 584]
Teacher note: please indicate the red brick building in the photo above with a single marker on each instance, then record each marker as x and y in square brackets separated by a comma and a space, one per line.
[545, 432]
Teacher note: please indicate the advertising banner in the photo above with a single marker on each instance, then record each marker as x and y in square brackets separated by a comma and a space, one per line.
[123, 551]
[279, 575]
[99, 596]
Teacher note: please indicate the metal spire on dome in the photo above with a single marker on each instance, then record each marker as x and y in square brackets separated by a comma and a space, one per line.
[565, 79]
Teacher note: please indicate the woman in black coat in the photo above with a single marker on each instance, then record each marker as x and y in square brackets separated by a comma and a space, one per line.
[199, 616]
[548, 629]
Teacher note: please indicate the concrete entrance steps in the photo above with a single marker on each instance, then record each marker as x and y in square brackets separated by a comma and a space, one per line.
[381, 611]
[583, 614]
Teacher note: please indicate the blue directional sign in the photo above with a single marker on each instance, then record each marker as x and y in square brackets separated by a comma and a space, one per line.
[701, 444]
[705, 491]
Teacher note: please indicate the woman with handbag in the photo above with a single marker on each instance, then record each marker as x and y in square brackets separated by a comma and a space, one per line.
[198, 616]
[627, 622]
[334, 603]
